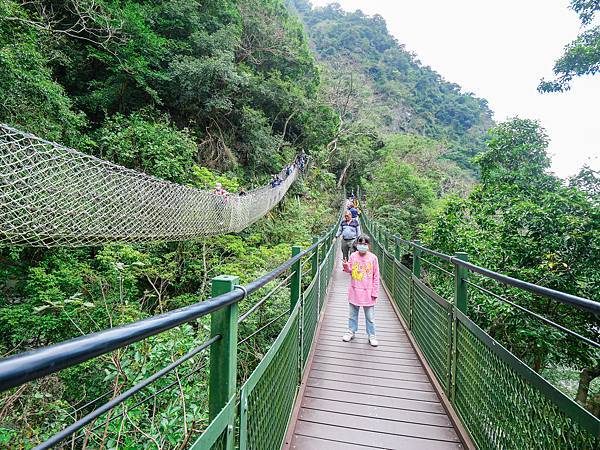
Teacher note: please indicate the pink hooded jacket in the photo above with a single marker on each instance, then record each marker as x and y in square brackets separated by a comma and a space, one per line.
[364, 286]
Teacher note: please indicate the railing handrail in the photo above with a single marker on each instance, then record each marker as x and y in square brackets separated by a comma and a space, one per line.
[570, 299]
[33, 364]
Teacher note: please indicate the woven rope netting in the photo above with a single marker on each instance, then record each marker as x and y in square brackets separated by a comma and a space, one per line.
[51, 195]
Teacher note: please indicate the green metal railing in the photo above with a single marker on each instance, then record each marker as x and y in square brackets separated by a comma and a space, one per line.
[257, 417]
[502, 403]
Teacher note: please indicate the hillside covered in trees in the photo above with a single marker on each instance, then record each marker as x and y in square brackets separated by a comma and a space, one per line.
[402, 94]
[199, 92]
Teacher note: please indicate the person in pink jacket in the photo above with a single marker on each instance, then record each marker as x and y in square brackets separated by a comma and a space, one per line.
[364, 288]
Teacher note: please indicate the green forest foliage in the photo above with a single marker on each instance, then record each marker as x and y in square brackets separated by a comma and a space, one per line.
[406, 185]
[526, 223]
[582, 56]
[191, 92]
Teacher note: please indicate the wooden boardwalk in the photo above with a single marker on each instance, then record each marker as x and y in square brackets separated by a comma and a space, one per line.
[355, 396]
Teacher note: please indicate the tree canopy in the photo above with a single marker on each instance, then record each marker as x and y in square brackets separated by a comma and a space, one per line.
[526, 223]
[580, 57]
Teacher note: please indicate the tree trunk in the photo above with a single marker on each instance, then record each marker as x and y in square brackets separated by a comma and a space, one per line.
[343, 174]
[586, 376]
[593, 405]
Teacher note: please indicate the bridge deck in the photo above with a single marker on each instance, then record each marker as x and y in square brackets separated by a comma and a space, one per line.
[356, 396]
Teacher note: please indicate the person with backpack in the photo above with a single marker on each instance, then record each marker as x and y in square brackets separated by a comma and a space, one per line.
[349, 230]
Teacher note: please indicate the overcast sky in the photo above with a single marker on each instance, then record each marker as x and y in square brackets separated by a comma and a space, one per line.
[499, 50]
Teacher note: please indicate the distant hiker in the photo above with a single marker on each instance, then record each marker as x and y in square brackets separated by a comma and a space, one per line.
[364, 289]
[221, 200]
[275, 181]
[301, 159]
[218, 190]
[349, 230]
[353, 212]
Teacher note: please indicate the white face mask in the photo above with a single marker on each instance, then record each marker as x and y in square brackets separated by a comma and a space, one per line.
[362, 248]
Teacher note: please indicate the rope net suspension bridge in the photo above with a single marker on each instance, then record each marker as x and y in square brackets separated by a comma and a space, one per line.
[51, 195]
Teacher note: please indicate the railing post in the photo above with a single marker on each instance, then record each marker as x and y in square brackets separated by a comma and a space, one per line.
[416, 270]
[223, 353]
[460, 304]
[417, 260]
[314, 268]
[296, 278]
[314, 260]
[460, 287]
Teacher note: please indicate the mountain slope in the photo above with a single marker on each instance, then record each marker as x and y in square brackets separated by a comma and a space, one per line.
[410, 97]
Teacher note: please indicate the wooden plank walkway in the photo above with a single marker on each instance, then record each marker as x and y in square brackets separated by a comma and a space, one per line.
[359, 397]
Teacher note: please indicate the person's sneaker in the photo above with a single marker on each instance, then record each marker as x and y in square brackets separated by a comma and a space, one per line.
[373, 341]
[348, 336]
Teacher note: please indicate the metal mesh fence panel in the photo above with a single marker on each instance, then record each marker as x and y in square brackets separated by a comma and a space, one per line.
[432, 329]
[51, 195]
[331, 262]
[376, 248]
[220, 443]
[388, 270]
[323, 283]
[504, 404]
[402, 280]
[310, 316]
[268, 396]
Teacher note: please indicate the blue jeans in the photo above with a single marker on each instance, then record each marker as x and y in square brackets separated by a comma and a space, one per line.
[369, 316]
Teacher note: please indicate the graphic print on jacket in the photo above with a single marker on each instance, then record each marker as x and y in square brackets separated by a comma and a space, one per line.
[364, 284]
[359, 270]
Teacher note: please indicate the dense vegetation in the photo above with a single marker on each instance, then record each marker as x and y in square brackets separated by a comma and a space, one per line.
[202, 91]
[192, 92]
[526, 223]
